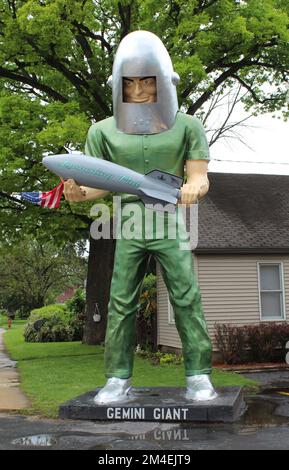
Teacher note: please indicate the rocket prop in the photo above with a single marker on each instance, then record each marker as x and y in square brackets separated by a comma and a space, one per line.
[156, 187]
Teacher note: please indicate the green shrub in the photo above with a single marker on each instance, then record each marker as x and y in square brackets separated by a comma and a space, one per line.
[168, 358]
[30, 333]
[150, 282]
[22, 314]
[147, 313]
[77, 324]
[48, 310]
[53, 328]
[76, 304]
[19, 315]
[159, 358]
[50, 329]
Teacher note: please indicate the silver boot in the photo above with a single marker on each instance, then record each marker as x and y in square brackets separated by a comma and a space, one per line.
[199, 388]
[115, 390]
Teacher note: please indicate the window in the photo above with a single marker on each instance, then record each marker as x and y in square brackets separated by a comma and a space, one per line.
[171, 313]
[271, 291]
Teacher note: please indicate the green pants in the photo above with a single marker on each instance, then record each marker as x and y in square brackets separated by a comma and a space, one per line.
[130, 264]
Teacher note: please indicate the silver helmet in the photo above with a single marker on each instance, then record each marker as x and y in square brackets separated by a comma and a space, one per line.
[142, 54]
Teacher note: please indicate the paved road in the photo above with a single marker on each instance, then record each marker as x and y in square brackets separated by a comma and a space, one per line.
[145, 436]
[274, 379]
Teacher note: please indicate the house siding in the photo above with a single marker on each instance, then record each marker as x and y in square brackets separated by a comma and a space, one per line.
[229, 290]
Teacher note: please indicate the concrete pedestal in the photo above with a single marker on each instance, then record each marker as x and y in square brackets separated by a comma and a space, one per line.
[159, 404]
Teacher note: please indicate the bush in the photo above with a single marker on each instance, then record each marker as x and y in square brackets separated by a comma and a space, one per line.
[267, 341]
[76, 305]
[19, 315]
[77, 324]
[54, 330]
[149, 282]
[168, 358]
[264, 342]
[231, 343]
[53, 324]
[147, 313]
[47, 330]
[22, 314]
[159, 358]
[48, 310]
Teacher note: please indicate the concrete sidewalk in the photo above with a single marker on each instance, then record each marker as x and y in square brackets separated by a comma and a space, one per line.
[11, 397]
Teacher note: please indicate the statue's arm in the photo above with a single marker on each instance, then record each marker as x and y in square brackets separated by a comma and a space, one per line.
[197, 184]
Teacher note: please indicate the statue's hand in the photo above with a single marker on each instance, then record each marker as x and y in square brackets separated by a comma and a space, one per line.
[74, 193]
[194, 190]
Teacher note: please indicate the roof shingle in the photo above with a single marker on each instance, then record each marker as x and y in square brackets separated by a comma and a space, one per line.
[245, 213]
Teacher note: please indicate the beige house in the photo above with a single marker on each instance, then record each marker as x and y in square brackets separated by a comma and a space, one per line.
[242, 256]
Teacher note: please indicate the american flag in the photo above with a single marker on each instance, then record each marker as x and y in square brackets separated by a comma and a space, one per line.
[50, 199]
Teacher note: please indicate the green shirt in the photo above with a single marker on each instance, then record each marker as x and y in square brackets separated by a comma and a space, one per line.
[166, 151]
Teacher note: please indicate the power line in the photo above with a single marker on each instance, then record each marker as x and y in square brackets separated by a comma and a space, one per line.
[247, 161]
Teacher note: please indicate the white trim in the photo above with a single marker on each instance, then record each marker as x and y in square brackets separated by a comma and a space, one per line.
[281, 273]
[171, 316]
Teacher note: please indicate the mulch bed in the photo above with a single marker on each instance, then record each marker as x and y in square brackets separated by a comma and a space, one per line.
[253, 366]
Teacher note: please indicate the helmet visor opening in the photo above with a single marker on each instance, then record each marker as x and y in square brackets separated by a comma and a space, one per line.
[139, 90]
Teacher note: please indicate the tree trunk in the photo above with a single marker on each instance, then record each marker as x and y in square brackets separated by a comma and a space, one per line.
[100, 266]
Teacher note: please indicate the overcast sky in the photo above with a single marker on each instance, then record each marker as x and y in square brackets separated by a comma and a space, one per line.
[269, 140]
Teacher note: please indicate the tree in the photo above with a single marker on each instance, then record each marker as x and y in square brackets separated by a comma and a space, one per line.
[56, 56]
[30, 273]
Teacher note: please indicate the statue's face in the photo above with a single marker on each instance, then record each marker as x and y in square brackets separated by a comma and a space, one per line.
[139, 90]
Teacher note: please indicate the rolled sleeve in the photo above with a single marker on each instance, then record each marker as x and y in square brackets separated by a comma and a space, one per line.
[198, 147]
[94, 145]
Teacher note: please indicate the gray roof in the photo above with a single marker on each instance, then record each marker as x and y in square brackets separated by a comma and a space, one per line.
[244, 213]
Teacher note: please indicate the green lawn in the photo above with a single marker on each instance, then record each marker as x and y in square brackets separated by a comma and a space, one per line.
[3, 321]
[52, 373]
